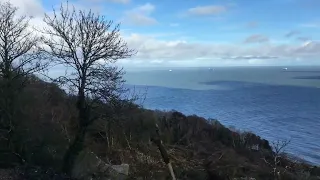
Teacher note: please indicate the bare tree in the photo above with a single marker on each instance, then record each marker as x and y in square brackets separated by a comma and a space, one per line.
[117, 100]
[87, 44]
[277, 154]
[19, 58]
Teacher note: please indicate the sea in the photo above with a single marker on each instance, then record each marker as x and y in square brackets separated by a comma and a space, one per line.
[276, 103]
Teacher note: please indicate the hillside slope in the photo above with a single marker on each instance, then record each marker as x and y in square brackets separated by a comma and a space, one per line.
[198, 148]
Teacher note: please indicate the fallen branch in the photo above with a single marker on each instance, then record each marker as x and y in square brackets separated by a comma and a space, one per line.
[163, 152]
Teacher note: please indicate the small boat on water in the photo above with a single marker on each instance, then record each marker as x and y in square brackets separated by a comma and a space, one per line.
[285, 68]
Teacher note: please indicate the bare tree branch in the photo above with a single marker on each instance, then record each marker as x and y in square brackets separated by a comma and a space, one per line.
[278, 153]
[19, 58]
[18, 45]
[88, 44]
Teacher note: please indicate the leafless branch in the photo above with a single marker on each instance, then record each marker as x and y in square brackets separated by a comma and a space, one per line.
[88, 44]
[19, 54]
[19, 59]
[278, 151]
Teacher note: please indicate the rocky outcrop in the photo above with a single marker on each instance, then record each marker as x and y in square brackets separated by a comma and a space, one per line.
[88, 166]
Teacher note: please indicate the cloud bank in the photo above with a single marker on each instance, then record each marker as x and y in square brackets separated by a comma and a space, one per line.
[155, 50]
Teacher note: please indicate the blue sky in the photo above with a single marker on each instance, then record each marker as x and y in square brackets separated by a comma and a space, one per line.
[208, 32]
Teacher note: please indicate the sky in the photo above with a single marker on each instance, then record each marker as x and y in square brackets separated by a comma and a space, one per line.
[202, 33]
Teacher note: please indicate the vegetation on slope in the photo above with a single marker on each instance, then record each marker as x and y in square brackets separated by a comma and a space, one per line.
[198, 148]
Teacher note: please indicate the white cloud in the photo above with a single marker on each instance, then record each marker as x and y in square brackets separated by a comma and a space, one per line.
[27, 7]
[152, 51]
[308, 47]
[140, 15]
[256, 38]
[35, 9]
[180, 52]
[31, 8]
[207, 10]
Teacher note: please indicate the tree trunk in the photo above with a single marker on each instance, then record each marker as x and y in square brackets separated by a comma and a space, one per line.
[78, 143]
[75, 148]
[110, 140]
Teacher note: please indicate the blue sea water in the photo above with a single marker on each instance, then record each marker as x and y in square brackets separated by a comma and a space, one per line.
[272, 102]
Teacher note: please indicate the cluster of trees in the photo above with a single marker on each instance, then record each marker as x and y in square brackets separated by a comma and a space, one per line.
[84, 43]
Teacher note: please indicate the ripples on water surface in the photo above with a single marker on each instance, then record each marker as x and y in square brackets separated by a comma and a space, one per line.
[270, 102]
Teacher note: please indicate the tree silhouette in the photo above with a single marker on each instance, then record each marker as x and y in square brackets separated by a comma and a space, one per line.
[19, 59]
[88, 45]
